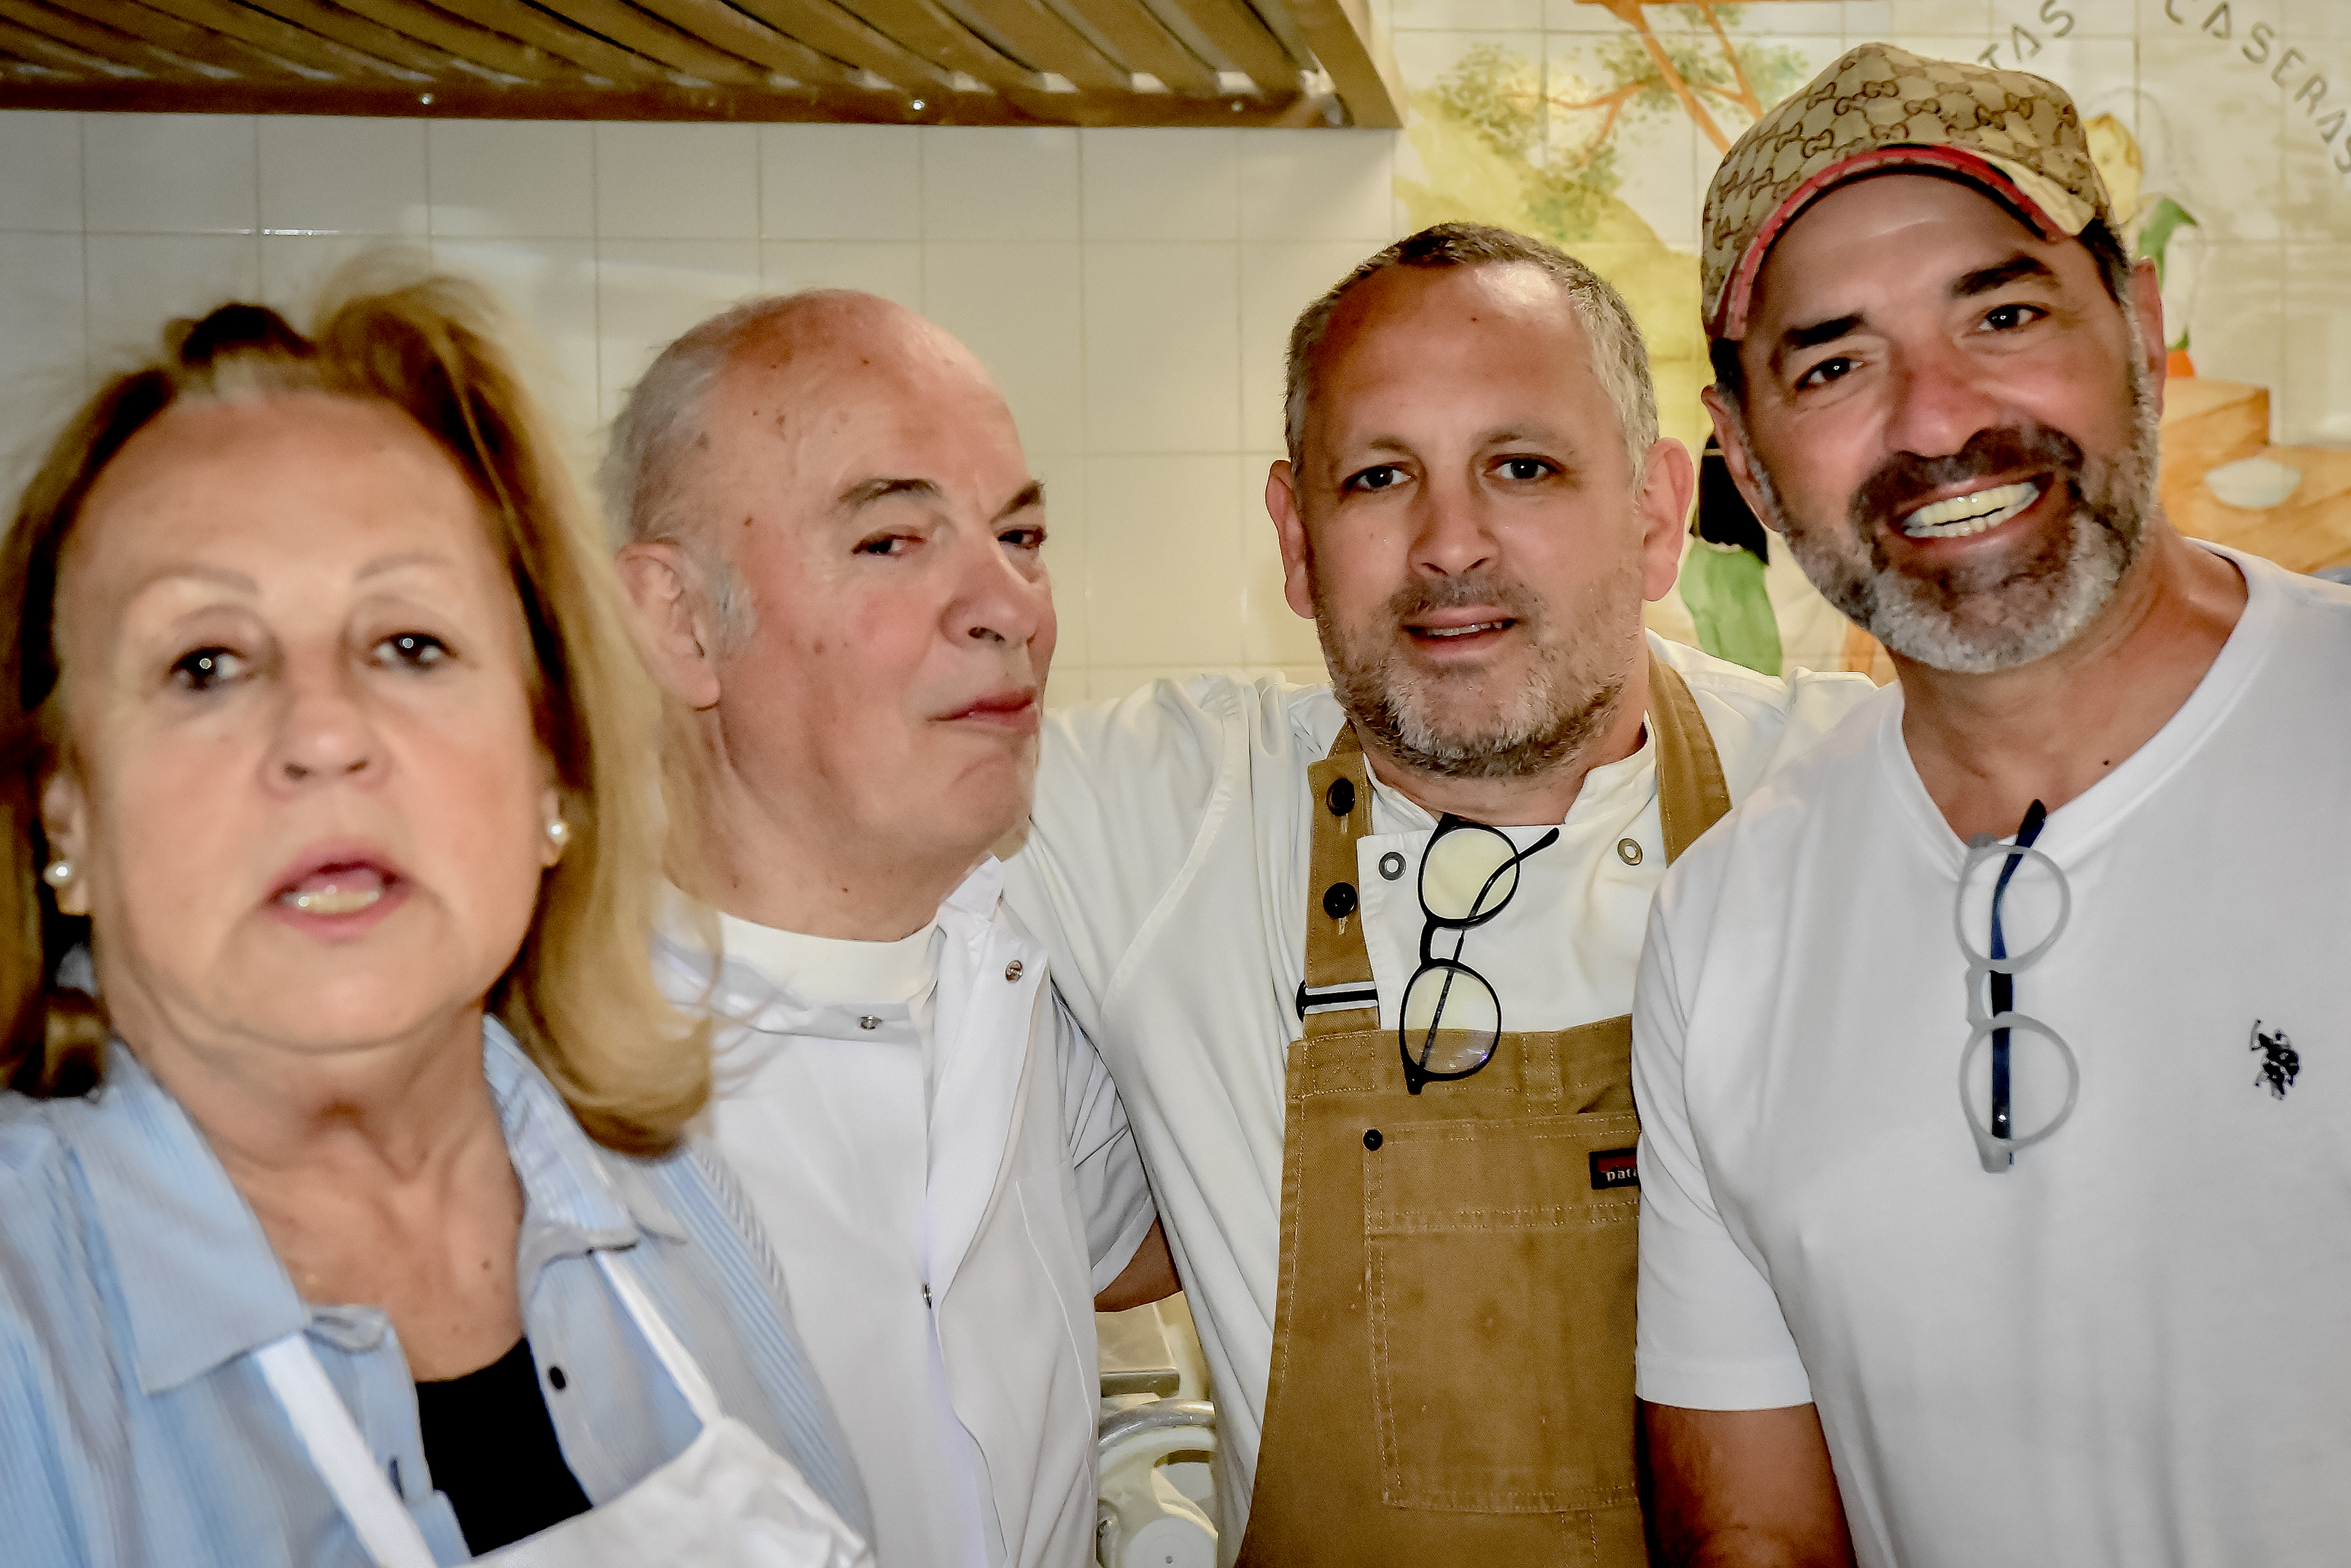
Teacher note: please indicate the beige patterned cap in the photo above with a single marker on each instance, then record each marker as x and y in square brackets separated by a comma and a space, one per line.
[2010, 132]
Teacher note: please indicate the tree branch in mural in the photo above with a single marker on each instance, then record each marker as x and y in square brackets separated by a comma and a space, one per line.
[1566, 126]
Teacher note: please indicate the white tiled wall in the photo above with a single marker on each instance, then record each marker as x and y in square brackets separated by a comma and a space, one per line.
[1130, 290]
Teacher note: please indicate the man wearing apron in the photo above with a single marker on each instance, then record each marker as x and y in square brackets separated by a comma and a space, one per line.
[1360, 954]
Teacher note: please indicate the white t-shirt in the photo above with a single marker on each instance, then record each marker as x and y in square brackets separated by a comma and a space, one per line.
[945, 1172]
[1166, 870]
[2133, 1347]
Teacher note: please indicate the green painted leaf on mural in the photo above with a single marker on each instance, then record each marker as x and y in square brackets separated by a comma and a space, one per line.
[2156, 233]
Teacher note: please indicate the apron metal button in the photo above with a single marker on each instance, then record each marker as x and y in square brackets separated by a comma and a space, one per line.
[869, 1021]
[1372, 1139]
[1339, 899]
[1391, 865]
[1012, 970]
[1341, 796]
[1629, 851]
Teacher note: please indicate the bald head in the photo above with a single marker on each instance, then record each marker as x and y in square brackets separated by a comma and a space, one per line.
[798, 345]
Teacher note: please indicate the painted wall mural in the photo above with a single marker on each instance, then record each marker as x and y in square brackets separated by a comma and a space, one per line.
[2223, 128]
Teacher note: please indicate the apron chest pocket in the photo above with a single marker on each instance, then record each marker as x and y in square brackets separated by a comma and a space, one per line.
[1498, 1278]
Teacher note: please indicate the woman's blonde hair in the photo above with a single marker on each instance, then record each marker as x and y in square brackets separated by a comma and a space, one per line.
[579, 996]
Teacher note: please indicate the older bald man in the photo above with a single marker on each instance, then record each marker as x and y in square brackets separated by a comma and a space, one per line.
[833, 542]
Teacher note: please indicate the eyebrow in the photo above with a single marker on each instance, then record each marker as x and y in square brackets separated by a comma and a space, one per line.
[1985, 279]
[384, 563]
[859, 496]
[1032, 494]
[1819, 332]
[1501, 436]
[194, 571]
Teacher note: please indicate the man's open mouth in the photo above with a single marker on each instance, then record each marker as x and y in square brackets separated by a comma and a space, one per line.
[1470, 630]
[1963, 515]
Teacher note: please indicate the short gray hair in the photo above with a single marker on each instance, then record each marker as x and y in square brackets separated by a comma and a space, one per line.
[1620, 359]
[646, 497]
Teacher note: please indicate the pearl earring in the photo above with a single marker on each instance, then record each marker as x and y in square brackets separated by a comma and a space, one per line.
[558, 831]
[59, 874]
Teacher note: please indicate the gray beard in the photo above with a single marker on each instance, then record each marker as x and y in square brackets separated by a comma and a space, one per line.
[1447, 725]
[1976, 621]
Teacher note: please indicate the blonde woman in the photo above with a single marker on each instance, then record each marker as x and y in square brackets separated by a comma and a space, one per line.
[343, 1213]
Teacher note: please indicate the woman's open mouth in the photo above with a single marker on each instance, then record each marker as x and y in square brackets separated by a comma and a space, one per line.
[337, 890]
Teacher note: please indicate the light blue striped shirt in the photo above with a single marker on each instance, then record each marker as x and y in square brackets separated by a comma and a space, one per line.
[135, 1282]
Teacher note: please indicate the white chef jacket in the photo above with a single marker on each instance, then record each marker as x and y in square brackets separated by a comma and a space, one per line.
[1166, 868]
[944, 1281]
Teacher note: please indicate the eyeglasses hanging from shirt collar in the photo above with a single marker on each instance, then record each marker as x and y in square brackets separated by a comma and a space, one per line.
[1451, 1019]
[2038, 912]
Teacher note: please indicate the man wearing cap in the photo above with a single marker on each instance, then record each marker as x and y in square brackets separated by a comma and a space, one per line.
[1360, 955]
[1996, 1153]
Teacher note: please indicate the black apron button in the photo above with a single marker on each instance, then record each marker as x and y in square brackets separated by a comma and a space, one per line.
[1339, 899]
[1341, 796]
[1372, 1139]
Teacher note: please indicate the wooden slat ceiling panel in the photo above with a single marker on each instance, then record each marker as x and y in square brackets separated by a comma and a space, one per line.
[938, 37]
[202, 45]
[1072, 62]
[531, 26]
[1237, 33]
[746, 40]
[1142, 45]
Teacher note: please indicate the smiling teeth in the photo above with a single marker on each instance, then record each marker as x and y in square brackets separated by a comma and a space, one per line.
[1461, 630]
[1964, 515]
[333, 900]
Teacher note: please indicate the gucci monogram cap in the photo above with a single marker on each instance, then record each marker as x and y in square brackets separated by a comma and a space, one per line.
[2014, 134]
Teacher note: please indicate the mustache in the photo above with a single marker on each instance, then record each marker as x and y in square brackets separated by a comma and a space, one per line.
[1905, 480]
[1421, 596]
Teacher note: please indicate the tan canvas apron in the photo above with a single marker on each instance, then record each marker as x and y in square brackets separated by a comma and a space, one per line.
[1452, 1376]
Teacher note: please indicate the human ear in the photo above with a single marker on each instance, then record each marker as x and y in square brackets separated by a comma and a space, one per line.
[1662, 500]
[1731, 435]
[673, 620]
[65, 809]
[1290, 530]
[2146, 301]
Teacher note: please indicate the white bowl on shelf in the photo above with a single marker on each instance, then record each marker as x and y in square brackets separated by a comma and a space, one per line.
[2254, 484]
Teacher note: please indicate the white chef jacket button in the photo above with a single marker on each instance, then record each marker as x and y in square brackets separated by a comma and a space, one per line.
[1012, 970]
[869, 1022]
[1629, 851]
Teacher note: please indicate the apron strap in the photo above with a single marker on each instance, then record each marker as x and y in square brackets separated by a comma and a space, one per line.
[341, 1456]
[683, 1369]
[1691, 794]
[1338, 992]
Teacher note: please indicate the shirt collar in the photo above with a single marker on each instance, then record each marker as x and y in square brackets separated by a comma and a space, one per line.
[1605, 791]
[744, 993]
[199, 1282]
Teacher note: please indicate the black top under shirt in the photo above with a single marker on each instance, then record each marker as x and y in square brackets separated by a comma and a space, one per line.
[491, 1448]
